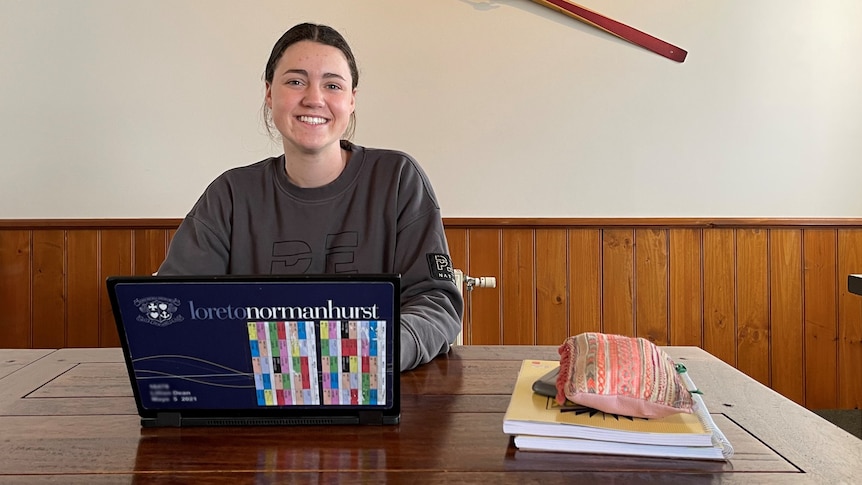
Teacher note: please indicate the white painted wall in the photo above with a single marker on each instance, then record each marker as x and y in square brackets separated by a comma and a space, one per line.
[130, 108]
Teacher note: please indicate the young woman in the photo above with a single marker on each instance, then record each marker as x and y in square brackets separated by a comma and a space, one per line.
[326, 205]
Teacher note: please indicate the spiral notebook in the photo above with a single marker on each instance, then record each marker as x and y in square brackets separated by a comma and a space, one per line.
[261, 350]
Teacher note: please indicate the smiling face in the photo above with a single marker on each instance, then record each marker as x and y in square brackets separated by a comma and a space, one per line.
[311, 98]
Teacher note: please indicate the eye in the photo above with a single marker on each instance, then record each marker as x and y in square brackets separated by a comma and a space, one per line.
[333, 86]
[293, 82]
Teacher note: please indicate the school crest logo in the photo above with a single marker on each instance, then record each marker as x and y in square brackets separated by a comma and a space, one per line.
[158, 311]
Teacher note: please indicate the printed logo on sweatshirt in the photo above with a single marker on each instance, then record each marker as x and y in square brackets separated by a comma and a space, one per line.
[440, 266]
[297, 256]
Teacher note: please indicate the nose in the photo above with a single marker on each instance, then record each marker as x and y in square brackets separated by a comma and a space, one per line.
[313, 96]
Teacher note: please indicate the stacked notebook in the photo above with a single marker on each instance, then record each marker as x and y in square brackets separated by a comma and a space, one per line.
[539, 423]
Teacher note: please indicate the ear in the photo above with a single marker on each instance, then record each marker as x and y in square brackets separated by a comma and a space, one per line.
[353, 100]
[267, 97]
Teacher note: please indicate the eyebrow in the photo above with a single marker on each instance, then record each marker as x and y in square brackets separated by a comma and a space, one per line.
[303, 72]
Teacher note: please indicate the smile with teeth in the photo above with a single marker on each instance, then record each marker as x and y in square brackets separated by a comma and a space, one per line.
[312, 120]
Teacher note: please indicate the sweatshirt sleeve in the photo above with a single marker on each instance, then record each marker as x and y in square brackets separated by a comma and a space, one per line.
[201, 245]
[431, 305]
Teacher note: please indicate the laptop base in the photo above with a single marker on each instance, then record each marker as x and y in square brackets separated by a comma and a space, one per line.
[176, 420]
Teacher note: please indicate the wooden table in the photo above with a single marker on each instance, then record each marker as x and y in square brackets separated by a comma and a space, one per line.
[67, 416]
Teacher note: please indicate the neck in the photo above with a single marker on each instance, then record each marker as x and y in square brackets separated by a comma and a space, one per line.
[315, 170]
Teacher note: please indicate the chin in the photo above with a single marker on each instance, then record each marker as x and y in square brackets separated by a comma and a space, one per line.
[315, 147]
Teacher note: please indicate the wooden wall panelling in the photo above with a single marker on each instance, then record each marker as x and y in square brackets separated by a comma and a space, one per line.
[15, 287]
[821, 349]
[651, 285]
[686, 286]
[49, 289]
[83, 288]
[769, 297]
[150, 246]
[484, 249]
[585, 280]
[752, 297]
[618, 281]
[552, 313]
[519, 293]
[850, 321]
[457, 241]
[115, 248]
[786, 313]
[719, 293]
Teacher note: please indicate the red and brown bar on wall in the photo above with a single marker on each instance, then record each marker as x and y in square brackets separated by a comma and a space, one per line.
[618, 29]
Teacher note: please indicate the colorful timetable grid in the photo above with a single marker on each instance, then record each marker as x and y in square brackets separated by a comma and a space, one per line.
[351, 357]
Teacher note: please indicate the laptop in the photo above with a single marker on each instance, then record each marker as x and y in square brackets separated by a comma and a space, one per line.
[261, 350]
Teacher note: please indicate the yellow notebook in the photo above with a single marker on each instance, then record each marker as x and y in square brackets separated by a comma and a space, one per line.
[533, 414]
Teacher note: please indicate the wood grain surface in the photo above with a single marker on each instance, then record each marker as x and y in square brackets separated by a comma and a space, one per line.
[68, 416]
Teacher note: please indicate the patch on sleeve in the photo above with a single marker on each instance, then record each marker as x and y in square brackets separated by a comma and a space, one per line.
[440, 266]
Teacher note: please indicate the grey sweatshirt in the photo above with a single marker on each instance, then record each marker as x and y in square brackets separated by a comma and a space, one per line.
[379, 216]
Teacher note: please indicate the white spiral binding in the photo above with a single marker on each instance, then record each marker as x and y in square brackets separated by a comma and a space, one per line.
[699, 409]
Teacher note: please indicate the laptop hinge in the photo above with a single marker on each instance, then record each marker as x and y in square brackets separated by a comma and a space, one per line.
[168, 419]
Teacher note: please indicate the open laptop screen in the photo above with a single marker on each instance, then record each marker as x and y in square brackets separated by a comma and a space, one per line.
[260, 347]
